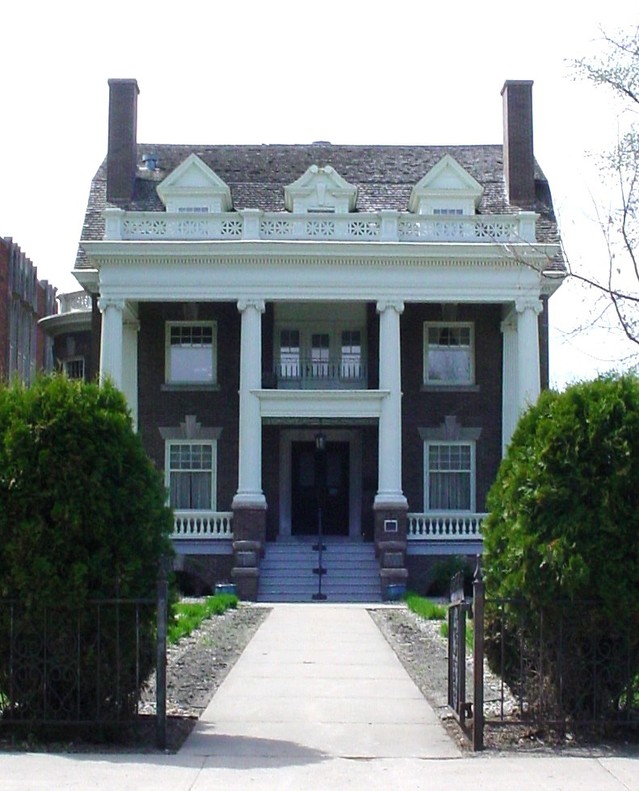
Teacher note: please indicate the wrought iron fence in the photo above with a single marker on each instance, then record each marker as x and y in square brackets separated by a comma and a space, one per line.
[64, 666]
[560, 667]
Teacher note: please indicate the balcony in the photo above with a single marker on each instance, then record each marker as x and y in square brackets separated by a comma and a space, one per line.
[384, 226]
[309, 374]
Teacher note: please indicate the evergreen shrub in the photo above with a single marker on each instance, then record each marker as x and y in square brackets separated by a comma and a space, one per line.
[562, 538]
[82, 518]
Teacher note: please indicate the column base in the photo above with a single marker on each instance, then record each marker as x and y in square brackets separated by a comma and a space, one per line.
[390, 519]
[249, 536]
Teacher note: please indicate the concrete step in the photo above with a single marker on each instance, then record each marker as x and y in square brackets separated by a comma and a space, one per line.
[352, 571]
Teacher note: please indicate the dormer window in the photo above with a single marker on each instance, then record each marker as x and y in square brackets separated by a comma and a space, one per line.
[449, 212]
[320, 190]
[446, 190]
[194, 188]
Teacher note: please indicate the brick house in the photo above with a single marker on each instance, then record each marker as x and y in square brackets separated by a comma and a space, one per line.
[25, 348]
[322, 333]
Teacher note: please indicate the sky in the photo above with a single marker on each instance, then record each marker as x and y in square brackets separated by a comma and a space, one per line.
[350, 72]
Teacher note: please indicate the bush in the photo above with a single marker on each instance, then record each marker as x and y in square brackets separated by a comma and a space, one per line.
[444, 570]
[83, 517]
[563, 530]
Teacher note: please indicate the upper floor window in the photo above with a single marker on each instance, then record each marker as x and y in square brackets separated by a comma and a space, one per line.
[448, 353]
[191, 352]
[450, 212]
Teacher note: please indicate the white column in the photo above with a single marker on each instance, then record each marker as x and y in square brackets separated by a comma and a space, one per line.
[510, 381]
[528, 374]
[130, 366]
[249, 488]
[111, 352]
[389, 491]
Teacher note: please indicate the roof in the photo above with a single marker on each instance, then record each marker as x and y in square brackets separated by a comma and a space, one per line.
[257, 174]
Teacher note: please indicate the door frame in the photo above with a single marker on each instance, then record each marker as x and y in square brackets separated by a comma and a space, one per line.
[354, 439]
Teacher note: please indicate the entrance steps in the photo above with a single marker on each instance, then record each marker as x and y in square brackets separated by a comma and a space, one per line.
[352, 571]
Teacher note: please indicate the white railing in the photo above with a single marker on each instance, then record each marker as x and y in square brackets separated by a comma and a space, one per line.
[203, 524]
[383, 226]
[74, 301]
[445, 526]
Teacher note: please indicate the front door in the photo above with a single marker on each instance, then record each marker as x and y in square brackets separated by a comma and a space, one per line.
[306, 479]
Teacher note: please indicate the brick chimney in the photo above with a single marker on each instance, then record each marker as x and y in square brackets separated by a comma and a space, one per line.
[122, 152]
[519, 162]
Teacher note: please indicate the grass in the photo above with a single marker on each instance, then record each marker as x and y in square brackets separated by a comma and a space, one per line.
[187, 616]
[431, 611]
[425, 608]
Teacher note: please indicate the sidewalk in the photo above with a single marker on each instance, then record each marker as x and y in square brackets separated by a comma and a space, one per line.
[318, 700]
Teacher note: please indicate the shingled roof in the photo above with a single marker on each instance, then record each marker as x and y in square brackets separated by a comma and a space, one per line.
[257, 175]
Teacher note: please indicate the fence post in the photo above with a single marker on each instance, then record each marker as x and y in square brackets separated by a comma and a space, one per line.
[478, 657]
[160, 667]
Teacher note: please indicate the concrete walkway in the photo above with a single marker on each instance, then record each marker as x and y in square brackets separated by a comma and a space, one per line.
[318, 701]
[316, 682]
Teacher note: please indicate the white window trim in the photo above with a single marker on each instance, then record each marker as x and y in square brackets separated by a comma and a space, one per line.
[167, 354]
[167, 469]
[449, 382]
[473, 474]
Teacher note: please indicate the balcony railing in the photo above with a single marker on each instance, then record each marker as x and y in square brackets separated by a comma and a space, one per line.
[445, 526]
[203, 524]
[385, 226]
[74, 301]
[308, 374]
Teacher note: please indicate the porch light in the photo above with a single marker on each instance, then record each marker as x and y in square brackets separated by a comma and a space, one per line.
[320, 440]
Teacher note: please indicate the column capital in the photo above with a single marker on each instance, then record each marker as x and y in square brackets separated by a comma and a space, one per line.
[244, 304]
[528, 303]
[110, 302]
[389, 304]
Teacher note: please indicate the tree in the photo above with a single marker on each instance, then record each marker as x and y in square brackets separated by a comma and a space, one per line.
[82, 517]
[617, 71]
[562, 538]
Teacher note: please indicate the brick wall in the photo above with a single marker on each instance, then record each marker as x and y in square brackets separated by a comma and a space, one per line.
[479, 406]
[159, 406]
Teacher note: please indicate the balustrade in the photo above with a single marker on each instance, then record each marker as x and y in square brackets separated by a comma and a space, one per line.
[378, 226]
[444, 526]
[203, 524]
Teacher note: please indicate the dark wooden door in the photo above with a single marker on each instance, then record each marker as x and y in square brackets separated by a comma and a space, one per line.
[307, 474]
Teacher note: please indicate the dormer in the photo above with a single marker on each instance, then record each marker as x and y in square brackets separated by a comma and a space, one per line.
[446, 189]
[320, 190]
[194, 187]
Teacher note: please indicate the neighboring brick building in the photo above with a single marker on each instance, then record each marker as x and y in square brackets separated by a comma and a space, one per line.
[364, 322]
[24, 300]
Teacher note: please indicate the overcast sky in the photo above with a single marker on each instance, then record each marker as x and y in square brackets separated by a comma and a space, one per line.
[400, 72]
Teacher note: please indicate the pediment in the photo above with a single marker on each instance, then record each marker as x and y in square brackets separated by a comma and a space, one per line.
[447, 185]
[194, 185]
[320, 188]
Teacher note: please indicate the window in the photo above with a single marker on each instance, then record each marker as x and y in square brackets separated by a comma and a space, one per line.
[448, 212]
[450, 476]
[351, 363]
[74, 368]
[289, 354]
[320, 354]
[190, 353]
[448, 353]
[190, 472]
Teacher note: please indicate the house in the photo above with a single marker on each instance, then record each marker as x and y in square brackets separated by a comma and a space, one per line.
[25, 349]
[74, 332]
[322, 334]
